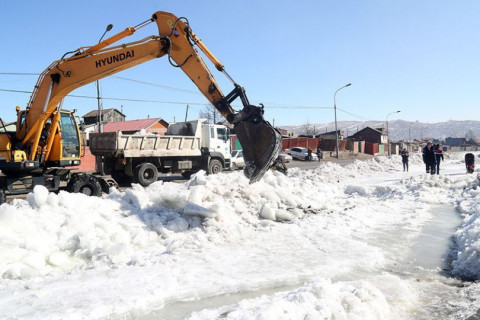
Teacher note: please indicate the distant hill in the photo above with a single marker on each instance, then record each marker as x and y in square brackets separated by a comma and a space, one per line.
[399, 129]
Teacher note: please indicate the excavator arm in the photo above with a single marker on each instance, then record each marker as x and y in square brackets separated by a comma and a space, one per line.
[261, 142]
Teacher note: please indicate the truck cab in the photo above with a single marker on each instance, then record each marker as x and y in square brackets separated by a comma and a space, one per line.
[216, 138]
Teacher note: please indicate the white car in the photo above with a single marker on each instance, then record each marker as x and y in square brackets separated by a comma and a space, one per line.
[237, 161]
[300, 153]
[285, 157]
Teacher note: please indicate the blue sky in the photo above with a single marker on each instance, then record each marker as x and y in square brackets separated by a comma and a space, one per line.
[420, 57]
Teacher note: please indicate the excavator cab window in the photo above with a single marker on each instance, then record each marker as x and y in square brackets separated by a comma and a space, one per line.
[70, 138]
[21, 119]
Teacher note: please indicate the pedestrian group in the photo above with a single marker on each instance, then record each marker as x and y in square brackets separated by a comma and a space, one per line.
[432, 156]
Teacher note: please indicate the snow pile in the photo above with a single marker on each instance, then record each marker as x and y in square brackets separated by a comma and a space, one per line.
[50, 232]
[202, 238]
[319, 299]
[466, 264]
[67, 231]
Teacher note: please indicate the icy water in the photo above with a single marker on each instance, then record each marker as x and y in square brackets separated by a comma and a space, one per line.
[419, 259]
[426, 265]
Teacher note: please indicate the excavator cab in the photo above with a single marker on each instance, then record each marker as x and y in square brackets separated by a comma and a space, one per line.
[70, 137]
[59, 140]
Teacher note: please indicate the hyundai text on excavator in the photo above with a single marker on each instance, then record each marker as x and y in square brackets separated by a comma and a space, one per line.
[46, 143]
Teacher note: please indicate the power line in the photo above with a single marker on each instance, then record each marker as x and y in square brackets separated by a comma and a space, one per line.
[117, 99]
[157, 85]
[19, 74]
[121, 78]
[166, 102]
[16, 91]
[270, 105]
[352, 114]
[280, 105]
[296, 107]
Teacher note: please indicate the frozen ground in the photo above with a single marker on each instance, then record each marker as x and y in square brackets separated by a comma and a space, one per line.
[365, 241]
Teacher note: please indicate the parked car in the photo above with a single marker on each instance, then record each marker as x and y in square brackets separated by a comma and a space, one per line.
[237, 160]
[300, 153]
[285, 157]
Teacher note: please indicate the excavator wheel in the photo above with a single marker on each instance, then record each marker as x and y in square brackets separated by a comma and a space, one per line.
[86, 184]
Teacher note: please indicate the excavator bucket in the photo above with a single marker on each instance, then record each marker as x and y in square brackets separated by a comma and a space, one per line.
[261, 145]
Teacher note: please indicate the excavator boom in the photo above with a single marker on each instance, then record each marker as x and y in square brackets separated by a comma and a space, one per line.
[260, 141]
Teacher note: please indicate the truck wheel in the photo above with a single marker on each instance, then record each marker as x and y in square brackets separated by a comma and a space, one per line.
[145, 174]
[214, 167]
[86, 184]
[3, 197]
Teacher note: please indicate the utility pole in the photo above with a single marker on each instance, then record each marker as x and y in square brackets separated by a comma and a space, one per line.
[388, 135]
[99, 159]
[335, 109]
[99, 102]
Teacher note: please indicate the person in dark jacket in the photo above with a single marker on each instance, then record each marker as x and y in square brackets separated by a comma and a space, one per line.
[429, 158]
[309, 153]
[319, 153]
[405, 156]
[438, 157]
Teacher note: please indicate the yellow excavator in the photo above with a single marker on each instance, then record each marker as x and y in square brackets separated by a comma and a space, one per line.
[46, 143]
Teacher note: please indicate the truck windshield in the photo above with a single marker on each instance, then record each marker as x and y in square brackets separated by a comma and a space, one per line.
[70, 139]
[222, 134]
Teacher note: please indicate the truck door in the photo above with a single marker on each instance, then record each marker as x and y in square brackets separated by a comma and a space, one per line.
[219, 140]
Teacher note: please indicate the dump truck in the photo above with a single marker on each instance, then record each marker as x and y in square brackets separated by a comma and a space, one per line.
[186, 148]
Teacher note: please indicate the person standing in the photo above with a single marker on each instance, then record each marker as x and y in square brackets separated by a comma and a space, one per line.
[428, 155]
[309, 152]
[405, 156]
[319, 153]
[438, 157]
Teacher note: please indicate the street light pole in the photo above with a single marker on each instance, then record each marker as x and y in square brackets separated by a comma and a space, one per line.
[388, 134]
[109, 27]
[335, 110]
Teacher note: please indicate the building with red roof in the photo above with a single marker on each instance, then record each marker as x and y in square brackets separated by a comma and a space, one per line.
[151, 125]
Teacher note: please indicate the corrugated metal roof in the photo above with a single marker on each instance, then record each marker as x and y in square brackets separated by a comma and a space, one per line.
[132, 125]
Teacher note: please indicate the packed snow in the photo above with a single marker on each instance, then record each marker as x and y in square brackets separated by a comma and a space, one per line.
[337, 242]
